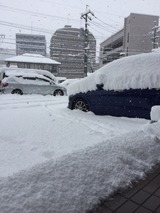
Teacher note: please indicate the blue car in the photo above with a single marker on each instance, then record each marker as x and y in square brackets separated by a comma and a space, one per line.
[127, 87]
[127, 103]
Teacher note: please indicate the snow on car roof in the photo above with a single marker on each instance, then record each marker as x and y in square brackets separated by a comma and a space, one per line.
[14, 71]
[39, 80]
[133, 72]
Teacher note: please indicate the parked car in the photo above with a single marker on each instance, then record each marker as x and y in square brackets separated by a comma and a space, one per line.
[128, 87]
[31, 85]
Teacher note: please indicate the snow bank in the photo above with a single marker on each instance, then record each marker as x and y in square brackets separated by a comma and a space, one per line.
[155, 113]
[138, 71]
[77, 181]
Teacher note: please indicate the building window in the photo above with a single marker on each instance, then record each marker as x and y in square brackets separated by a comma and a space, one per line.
[127, 51]
[32, 66]
[27, 66]
[20, 65]
[41, 67]
[128, 38]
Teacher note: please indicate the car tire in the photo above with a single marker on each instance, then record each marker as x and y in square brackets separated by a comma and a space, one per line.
[58, 92]
[17, 91]
[81, 104]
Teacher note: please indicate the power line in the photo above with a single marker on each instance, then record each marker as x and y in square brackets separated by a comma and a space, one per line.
[10, 24]
[48, 47]
[34, 13]
[106, 24]
[102, 27]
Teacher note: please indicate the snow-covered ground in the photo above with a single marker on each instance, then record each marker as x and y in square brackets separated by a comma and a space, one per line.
[57, 160]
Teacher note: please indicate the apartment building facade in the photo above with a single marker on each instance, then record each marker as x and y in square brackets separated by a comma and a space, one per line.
[133, 39]
[67, 47]
[30, 43]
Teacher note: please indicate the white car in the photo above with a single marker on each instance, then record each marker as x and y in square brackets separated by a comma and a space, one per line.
[31, 85]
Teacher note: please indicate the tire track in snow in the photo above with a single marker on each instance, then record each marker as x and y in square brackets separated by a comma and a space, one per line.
[29, 103]
[87, 121]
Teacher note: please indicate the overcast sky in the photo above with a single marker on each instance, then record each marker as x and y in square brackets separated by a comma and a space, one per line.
[50, 15]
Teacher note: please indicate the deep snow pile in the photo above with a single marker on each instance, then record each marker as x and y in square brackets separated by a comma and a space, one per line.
[76, 182]
[36, 128]
[138, 71]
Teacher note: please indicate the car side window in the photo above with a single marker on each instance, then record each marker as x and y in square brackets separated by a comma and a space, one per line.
[42, 81]
[29, 78]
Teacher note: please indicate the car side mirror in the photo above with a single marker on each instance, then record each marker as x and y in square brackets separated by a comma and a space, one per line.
[52, 83]
[99, 86]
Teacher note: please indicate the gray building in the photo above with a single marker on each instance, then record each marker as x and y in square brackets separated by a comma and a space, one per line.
[67, 47]
[133, 39]
[30, 43]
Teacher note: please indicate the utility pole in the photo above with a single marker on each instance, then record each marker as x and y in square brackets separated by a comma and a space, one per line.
[155, 37]
[86, 17]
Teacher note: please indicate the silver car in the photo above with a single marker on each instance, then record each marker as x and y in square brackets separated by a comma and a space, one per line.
[31, 85]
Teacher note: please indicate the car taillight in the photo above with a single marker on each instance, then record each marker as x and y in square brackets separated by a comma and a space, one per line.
[4, 84]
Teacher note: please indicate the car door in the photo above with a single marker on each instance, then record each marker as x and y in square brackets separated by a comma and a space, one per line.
[30, 85]
[43, 86]
[107, 102]
[138, 102]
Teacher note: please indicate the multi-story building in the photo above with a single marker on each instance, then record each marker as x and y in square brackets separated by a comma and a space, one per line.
[133, 39]
[67, 47]
[30, 43]
[111, 48]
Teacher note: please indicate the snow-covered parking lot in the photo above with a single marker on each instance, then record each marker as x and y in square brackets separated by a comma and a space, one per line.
[57, 160]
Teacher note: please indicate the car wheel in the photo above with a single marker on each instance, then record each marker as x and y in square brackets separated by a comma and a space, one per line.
[17, 91]
[58, 92]
[81, 104]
